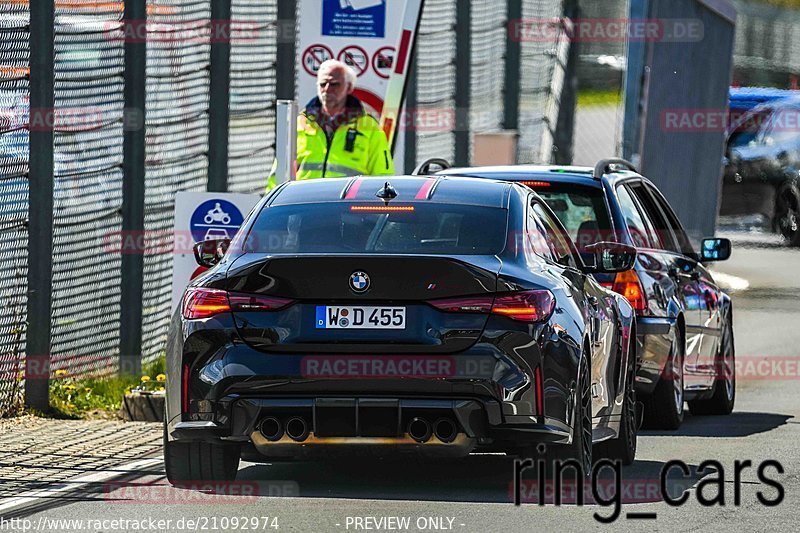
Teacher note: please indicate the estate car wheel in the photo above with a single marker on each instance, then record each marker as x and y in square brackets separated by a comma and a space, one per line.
[200, 461]
[722, 400]
[787, 214]
[623, 447]
[663, 409]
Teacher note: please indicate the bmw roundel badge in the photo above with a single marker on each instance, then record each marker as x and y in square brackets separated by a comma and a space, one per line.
[359, 281]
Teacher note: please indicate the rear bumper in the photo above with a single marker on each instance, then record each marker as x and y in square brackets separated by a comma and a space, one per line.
[654, 336]
[488, 390]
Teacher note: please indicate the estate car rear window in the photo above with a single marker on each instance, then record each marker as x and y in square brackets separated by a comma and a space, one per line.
[582, 211]
[340, 227]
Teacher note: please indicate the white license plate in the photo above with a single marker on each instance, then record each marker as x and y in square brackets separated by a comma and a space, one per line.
[360, 317]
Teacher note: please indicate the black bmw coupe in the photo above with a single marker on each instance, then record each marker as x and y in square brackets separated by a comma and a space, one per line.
[430, 315]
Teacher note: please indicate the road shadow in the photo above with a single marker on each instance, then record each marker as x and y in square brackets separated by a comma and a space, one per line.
[477, 479]
[736, 424]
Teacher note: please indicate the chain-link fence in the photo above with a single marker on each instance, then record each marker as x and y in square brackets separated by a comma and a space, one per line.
[601, 73]
[91, 124]
[14, 119]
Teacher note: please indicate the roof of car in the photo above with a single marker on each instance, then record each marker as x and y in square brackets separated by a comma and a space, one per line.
[556, 174]
[435, 189]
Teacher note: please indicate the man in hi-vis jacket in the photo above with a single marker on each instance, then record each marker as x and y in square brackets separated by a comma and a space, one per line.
[336, 137]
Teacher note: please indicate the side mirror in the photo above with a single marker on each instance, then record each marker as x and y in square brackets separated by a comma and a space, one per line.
[715, 250]
[209, 253]
[611, 257]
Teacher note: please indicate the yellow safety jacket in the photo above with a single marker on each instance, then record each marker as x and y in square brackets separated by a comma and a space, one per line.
[358, 146]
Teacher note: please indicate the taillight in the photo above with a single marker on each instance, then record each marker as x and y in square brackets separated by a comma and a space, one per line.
[202, 302]
[524, 306]
[256, 302]
[474, 304]
[627, 284]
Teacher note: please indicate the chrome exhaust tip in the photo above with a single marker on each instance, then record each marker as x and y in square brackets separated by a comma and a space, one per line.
[445, 430]
[271, 429]
[297, 429]
[419, 429]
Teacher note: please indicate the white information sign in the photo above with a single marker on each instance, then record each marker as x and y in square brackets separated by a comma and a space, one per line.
[375, 38]
[202, 216]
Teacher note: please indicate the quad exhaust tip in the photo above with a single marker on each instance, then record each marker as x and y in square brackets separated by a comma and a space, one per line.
[297, 429]
[445, 430]
[271, 429]
[419, 429]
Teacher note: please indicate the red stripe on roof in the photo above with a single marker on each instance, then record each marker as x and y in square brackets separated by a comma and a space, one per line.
[353, 190]
[402, 54]
[422, 193]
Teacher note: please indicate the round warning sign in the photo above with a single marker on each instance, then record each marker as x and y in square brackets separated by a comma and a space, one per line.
[373, 104]
[215, 219]
[383, 61]
[355, 57]
[314, 56]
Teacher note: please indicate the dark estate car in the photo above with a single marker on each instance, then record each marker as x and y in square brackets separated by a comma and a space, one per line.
[423, 314]
[684, 321]
[762, 168]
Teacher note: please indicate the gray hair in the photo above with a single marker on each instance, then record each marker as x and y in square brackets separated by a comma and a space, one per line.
[334, 64]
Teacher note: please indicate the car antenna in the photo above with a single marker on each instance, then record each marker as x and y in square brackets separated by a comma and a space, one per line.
[386, 193]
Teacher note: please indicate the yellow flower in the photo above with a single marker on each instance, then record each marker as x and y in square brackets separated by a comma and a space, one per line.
[145, 379]
[87, 389]
[161, 377]
[61, 372]
[160, 389]
[70, 388]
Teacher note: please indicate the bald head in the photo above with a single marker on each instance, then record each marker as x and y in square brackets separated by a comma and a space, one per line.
[335, 81]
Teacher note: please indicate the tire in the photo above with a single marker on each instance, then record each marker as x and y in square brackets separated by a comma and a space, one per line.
[199, 461]
[623, 447]
[663, 409]
[581, 448]
[724, 396]
[787, 213]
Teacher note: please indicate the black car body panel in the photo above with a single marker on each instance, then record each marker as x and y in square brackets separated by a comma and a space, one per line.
[230, 371]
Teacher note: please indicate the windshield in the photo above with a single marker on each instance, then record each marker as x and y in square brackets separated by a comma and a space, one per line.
[582, 211]
[354, 228]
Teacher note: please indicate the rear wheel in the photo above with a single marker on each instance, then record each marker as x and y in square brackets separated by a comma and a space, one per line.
[722, 400]
[787, 214]
[663, 409]
[200, 461]
[623, 447]
[580, 450]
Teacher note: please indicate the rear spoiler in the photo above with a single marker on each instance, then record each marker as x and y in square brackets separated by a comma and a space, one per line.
[604, 167]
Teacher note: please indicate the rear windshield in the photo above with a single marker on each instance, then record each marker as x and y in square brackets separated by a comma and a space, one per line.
[582, 211]
[340, 227]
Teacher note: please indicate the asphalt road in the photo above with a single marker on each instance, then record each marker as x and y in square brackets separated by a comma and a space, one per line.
[475, 494]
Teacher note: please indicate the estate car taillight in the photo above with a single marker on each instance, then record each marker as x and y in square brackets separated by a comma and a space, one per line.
[627, 284]
[524, 306]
